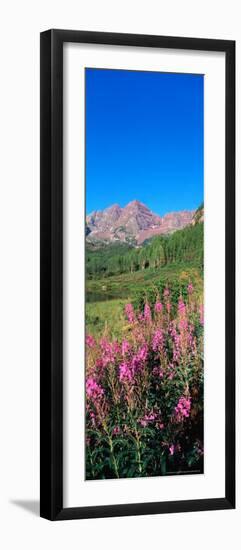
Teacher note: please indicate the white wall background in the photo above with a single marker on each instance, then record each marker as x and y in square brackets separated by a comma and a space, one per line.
[21, 23]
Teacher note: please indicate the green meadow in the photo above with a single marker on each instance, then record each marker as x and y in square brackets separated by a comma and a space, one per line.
[107, 296]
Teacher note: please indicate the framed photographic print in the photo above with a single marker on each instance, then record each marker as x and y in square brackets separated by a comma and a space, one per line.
[137, 274]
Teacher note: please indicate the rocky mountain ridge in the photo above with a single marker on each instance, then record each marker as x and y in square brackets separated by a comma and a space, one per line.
[133, 224]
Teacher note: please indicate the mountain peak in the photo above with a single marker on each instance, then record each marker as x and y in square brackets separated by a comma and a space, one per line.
[134, 223]
[113, 207]
[136, 204]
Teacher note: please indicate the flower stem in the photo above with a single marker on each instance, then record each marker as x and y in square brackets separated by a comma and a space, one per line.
[113, 457]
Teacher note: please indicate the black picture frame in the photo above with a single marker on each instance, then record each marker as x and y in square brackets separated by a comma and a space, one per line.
[51, 323]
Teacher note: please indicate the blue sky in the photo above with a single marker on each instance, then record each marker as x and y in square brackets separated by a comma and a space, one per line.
[144, 139]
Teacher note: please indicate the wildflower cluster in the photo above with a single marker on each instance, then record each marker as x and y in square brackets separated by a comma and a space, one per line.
[144, 393]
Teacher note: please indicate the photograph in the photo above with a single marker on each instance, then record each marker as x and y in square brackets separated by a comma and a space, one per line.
[144, 274]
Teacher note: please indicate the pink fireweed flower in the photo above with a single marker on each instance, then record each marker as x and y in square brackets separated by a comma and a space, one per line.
[142, 353]
[116, 347]
[125, 372]
[93, 390]
[158, 371]
[157, 341]
[166, 293]
[143, 423]
[190, 288]
[181, 307]
[171, 371]
[147, 312]
[183, 324]
[171, 449]
[176, 343]
[158, 307]
[183, 407]
[116, 430]
[147, 418]
[108, 354]
[90, 341]
[191, 339]
[105, 345]
[201, 314]
[99, 363]
[129, 311]
[139, 358]
[125, 347]
[140, 317]
[107, 358]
